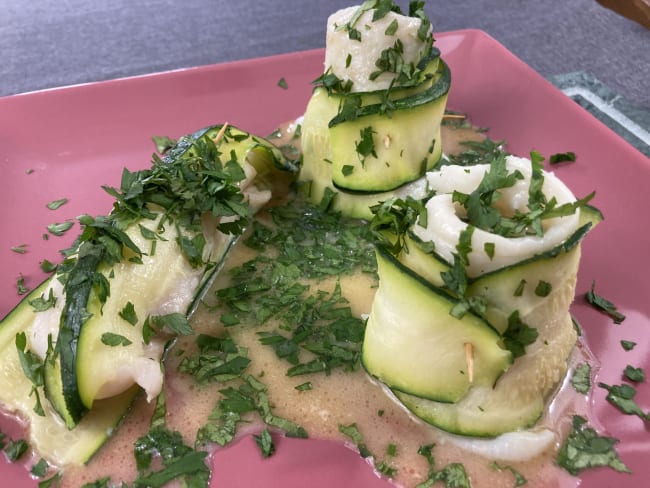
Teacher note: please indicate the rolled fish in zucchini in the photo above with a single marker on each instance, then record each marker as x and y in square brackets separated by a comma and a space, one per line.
[500, 243]
[126, 287]
[371, 129]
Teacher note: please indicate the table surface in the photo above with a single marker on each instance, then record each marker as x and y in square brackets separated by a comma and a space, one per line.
[50, 43]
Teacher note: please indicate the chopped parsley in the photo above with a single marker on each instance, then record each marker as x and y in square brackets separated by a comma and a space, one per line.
[39, 469]
[382, 466]
[366, 145]
[622, 397]
[42, 303]
[47, 266]
[601, 303]
[453, 475]
[584, 449]
[628, 345]
[113, 340]
[128, 313]
[392, 28]
[265, 442]
[569, 156]
[246, 397]
[581, 379]
[543, 288]
[15, 449]
[520, 480]
[55, 204]
[218, 359]
[20, 249]
[316, 330]
[635, 375]
[282, 83]
[174, 459]
[32, 366]
[518, 335]
[58, 229]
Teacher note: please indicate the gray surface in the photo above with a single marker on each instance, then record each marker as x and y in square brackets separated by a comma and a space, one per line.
[48, 43]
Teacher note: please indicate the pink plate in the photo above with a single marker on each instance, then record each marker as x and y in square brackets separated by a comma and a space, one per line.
[68, 142]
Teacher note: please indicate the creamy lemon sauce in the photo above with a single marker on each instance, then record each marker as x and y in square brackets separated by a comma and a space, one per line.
[338, 399]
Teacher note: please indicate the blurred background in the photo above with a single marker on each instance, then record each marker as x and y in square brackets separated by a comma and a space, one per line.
[50, 43]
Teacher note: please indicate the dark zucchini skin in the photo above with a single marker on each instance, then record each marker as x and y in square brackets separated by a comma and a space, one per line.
[438, 88]
[60, 373]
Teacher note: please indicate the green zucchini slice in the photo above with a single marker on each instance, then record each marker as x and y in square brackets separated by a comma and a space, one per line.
[413, 344]
[400, 144]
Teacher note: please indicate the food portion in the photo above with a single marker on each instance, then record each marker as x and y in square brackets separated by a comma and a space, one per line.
[470, 327]
[387, 274]
[94, 334]
[372, 127]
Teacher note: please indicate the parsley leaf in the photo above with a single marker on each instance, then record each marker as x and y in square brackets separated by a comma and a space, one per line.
[58, 229]
[174, 322]
[518, 335]
[366, 145]
[581, 379]
[520, 480]
[57, 203]
[33, 368]
[601, 303]
[42, 303]
[453, 475]
[584, 449]
[622, 397]
[15, 449]
[39, 469]
[265, 442]
[178, 461]
[569, 156]
[112, 339]
[628, 345]
[128, 313]
[21, 249]
[633, 374]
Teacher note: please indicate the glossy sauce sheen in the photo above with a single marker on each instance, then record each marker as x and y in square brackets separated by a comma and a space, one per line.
[338, 399]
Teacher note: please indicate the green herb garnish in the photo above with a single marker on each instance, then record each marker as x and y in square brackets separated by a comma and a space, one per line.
[636, 375]
[562, 157]
[15, 449]
[622, 397]
[163, 143]
[520, 480]
[21, 249]
[584, 449]
[581, 379]
[53, 205]
[518, 335]
[128, 313]
[39, 469]
[543, 289]
[113, 340]
[59, 229]
[601, 303]
[265, 442]
[628, 345]
[452, 476]
[32, 366]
